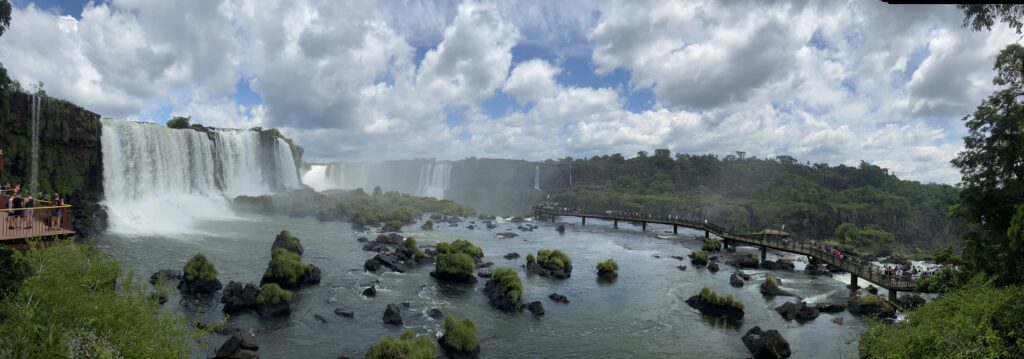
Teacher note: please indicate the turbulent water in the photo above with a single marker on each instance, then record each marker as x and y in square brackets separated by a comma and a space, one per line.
[161, 180]
[640, 315]
[434, 180]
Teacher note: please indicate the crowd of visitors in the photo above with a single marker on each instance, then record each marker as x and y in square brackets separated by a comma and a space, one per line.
[19, 210]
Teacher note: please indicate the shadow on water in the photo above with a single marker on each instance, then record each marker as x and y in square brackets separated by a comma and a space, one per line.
[720, 322]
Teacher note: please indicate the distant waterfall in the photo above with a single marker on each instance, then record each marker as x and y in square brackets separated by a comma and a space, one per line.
[340, 175]
[434, 180]
[536, 178]
[33, 187]
[158, 180]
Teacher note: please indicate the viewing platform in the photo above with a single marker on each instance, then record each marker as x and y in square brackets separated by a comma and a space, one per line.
[764, 239]
[41, 221]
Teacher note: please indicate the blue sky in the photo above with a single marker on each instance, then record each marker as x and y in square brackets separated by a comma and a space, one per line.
[835, 82]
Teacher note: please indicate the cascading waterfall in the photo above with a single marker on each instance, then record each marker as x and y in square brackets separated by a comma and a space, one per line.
[158, 180]
[536, 178]
[317, 178]
[434, 180]
[33, 186]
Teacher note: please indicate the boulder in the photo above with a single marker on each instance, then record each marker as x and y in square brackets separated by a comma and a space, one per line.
[289, 243]
[198, 286]
[817, 270]
[392, 315]
[435, 313]
[507, 235]
[831, 308]
[536, 307]
[376, 247]
[454, 277]
[766, 344]
[427, 226]
[484, 273]
[511, 256]
[799, 311]
[270, 310]
[713, 309]
[770, 289]
[872, 289]
[698, 262]
[451, 353]
[491, 225]
[485, 265]
[362, 240]
[392, 239]
[744, 261]
[550, 271]
[742, 275]
[390, 260]
[310, 277]
[344, 313]
[735, 280]
[871, 305]
[781, 264]
[910, 301]
[238, 346]
[713, 267]
[681, 267]
[370, 291]
[168, 276]
[677, 257]
[496, 298]
[558, 298]
[237, 297]
[838, 320]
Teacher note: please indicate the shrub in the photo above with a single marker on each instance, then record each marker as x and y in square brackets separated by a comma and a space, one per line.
[552, 259]
[271, 292]
[561, 228]
[460, 336]
[517, 219]
[199, 268]
[455, 264]
[461, 246]
[179, 122]
[608, 266]
[487, 217]
[769, 279]
[13, 270]
[699, 255]
[286, 265]
[723, 301]
[509, 282]
[412, 246]
[711, 245]
[289, 240]
[69, 307]
[408, 346]
[392, 226]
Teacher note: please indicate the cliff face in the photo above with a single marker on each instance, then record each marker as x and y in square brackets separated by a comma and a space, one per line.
[70, 157]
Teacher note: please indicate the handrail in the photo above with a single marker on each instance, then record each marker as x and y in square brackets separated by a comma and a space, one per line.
[28, 208]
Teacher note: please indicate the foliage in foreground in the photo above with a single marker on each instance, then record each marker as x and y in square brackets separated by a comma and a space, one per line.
[976, 321]
[12, 272]
[723, 301]
[509, 282]
[459, 264]
[274, 294]
[199, 268]
[71, 306]
[287, 265]
[460, 335]
[408, 346]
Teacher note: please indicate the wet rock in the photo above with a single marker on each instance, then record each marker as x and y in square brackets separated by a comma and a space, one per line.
[270, 310]
[910, 301]
[871, 305]
[435, 313]
[656, 256]
[485, 265]
[713, 309]
[713, 267]
[781, 264]
[536, 307]
[392, 239]
[871, 289]
[497, 298]
[799, 311]
[484, 273]
[838, 320]
[681, 267]
[288, 242]
[392, 315]
[735, 280]
[766, 344]
[320, 318]
[376, 247]
[677, 257]
[370, 291]
[550, 270]
[362, 240]
[238, 297]
[558, 298]
[390, 260]
[771, 289]
[199, 286]
[744, 261]
[239, 346]
[506, 235]
[830, 307]
[451, 352]
[344, 313]
[168, 276]
[511, 256]
[427, 226]
[742, 275]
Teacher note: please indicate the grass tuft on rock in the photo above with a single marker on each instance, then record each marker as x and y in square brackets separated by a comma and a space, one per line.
[608, 266]
[711, 245]
[286, 265]
[769, 279]
[199, 268]
[413, 247]
[459, 264]
[699, 255]
[508, 280]
[408, 346]
[273, 294]
[552, 259]
[460, 335]
[723, 301]
[461, 246]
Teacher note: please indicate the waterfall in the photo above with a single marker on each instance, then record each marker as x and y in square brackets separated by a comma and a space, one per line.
[434, 180]
[158, 180]
[340, 175]
[317, 178]
[536, 178]
[33, 187]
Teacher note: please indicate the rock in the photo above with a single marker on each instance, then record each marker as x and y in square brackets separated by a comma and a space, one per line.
[392, 315]
[435, 313]
[270, 310]
[766, 344]
[816, 270]
[871, 306]
[550, 271]
[910, 301]
[681, 267]
[393, 239]
[199, 286]
[713, 309]
[507, 235]
[491, 225]
[770, 289]
[362, 240]
[735, 280]
[558, 298]
[838, 320]
[496, 298]
[484, 273]
[697, 262]
[536, 307]
[344, 313]
[656, 256]
[427, 226]
[871, 289]
[288, 242]
[799, 311]
[376, 247]
[389, 260]
[454, 277]
[778, 265]
[239, 346]
[168, 276]
[472, 226]
[744, 261]
[713, 267]
[312, 276]
[743, 275]
[370, 291]
[485, 265]
[159, 297]
[512, 256]
[713, 258]
[677, 257]
[321, 319]
[237, 297]
[902, 263]
[451, 353]
[830, 307]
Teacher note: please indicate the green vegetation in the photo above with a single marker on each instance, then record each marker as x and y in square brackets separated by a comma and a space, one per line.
[711, 245]
[69, 307]
[290, 242]
[487, 217]
[460, 335]
[530, 258]
[392, 226]
[517, 219]
[722, 301]
[769, 279]
[561, 228]
[356, 206]
[274, 294]
[551, 259]
[411, 245]
[455, 264]
[699, 255]
[179, 122]
[12, 272]
[460, 246]
[508, 281]
[286, 265]
[408, 346]
[608, 266]
[870, 240]
[199, 268]
[977, 321]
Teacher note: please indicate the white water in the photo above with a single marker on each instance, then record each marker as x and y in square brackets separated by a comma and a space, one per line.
[317, 179]
[347, 176]
[33, 186]
[434, 180]
[536, 178]
[158, 180]
[287, 173]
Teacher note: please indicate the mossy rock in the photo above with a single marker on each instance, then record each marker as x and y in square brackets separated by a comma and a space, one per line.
[504, 290]
[288, 242]
[407, 346]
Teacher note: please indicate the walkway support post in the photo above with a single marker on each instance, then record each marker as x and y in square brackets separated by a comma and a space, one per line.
[853, 281]
[764, 253]
[892, 295]
[675, 229]
[584, 220]
[706, 234]
[553, 218]
[643, 226]
[615, 223]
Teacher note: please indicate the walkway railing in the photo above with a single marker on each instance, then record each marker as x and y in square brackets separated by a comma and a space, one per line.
[40, 221]
[854, 265]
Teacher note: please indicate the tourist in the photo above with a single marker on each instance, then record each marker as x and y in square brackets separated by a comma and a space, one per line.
[16, 212]
[58, 201]
[30, 203]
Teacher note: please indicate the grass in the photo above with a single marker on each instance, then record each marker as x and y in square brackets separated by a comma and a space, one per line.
[608, 266]
[70, 307]
[12, 272]
[273, 293]
[517, 219]
[392, 226]
[561, 228]
[289, 240]
[509, 282]
[455, 264]
[408, 346]
[552, 259]
[530, 258]
[769, 279]
[413, 247]
[460, 335]
[287, 265]
[461, 246]
[711, 245]
[199, 268]
[722, 301]
[699, 255]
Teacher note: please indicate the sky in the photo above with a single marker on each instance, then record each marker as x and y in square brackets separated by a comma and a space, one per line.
[838, 82]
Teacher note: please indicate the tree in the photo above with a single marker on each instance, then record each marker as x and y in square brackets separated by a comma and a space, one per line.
[179, 122]
[983, 16]
[5, 16]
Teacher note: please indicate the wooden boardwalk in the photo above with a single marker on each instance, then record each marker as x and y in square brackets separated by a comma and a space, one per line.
[764, 239]
[16, 226]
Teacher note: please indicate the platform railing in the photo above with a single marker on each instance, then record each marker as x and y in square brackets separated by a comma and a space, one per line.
[39, 221]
